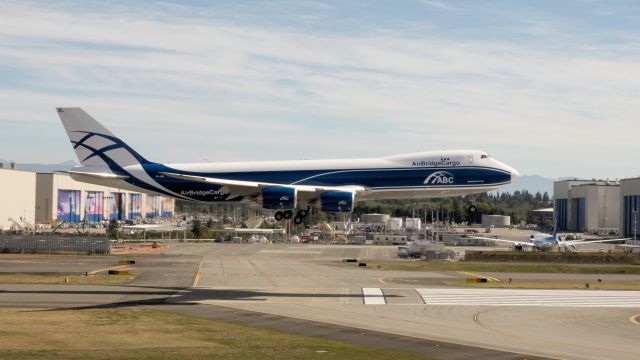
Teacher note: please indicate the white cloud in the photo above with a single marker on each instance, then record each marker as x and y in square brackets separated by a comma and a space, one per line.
[440, 5]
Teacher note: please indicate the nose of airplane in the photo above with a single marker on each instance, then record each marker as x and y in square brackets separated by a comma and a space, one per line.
[514, 174]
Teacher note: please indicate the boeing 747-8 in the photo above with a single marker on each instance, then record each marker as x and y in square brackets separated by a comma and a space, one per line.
[284, 186]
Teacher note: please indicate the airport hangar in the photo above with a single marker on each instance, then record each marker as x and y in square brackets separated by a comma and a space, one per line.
[31, 199]
[598, 206]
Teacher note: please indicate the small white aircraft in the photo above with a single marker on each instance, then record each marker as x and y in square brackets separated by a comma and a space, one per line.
[547, 242]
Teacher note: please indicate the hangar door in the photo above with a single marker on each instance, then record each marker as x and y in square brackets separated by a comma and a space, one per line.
[579, 211]
[116, 206]
[561, 214]
[68, 206]
[631, 205]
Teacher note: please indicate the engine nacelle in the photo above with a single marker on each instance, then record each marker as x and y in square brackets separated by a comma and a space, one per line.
[337, 201]
[278, 198]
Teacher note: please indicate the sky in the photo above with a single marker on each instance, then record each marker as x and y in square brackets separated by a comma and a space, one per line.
[549, 87]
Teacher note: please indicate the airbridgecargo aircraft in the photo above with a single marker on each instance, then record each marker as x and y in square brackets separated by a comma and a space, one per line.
[284, 186]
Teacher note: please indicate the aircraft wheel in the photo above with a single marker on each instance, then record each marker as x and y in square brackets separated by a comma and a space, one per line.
[298, 220]
[287, 214]
[304, 212]
[278, 215]
[472, 209]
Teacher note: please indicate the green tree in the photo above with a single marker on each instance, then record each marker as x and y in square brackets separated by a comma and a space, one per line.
[112, 229]
[196, 228]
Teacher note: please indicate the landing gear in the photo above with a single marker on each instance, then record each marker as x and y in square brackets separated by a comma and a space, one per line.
[302, 213]
[283, 215]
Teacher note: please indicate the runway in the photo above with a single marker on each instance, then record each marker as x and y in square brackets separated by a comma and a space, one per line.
[310, 283]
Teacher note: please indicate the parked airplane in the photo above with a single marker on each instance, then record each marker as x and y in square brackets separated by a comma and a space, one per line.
[333, 185]
[546, 242]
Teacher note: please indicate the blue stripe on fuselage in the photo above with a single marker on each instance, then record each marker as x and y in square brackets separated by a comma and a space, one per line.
[375, 178]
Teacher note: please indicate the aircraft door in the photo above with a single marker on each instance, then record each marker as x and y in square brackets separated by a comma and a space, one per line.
[470, 158]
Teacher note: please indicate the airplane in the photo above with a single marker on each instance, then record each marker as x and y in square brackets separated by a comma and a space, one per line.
[546, 242]
[332, 185]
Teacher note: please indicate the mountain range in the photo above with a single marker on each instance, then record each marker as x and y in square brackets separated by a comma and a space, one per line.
[42, 168]
[531, 183]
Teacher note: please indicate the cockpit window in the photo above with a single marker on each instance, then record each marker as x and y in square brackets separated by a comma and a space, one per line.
[484, 156]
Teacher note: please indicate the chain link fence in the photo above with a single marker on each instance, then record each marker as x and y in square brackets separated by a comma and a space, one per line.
[42, 244]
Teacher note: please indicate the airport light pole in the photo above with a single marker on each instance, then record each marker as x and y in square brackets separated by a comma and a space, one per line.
[436, 233]
[104, 202]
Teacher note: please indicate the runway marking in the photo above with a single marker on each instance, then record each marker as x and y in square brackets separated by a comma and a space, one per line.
[264, 274]
[197, 278]
[289, 252]
[476, 319]
[490, 278]
[526, 297]
[373, 296]
[635, 319]
[344, 299]
[93, 272]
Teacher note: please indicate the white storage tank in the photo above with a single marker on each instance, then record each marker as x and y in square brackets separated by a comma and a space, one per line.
[375, 218]
[413, 224]
[496, 220]
[394, 224]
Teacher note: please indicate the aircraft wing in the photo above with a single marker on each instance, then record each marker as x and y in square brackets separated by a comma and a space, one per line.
[512, 242]
[578, 242]
[97, 175]
[249, 188]
[629, 246]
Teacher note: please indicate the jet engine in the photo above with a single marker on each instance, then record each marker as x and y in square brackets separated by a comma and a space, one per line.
[336, 201]
[277, 198]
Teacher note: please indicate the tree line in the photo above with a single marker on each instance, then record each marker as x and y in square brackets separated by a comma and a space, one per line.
[456, 209]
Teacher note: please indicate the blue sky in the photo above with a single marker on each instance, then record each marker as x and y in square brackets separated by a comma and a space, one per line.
[550, 87]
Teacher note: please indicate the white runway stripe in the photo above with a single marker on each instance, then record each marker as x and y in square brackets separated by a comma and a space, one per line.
[373, 296]
[522, 297]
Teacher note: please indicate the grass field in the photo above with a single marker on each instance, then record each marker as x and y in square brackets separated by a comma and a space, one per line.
[153, 334]
[608, 285]
[70, 279]
[520, 267]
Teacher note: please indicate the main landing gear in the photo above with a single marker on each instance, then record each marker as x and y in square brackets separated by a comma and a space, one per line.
[302, 213]
[287, 214]
[283, 215]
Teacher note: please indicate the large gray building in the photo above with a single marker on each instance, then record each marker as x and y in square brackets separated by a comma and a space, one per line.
[61, 198]
[587, 205]
[28, 200]
[629, 207]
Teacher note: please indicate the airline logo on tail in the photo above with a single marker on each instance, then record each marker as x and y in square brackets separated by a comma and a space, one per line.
[440, 178]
